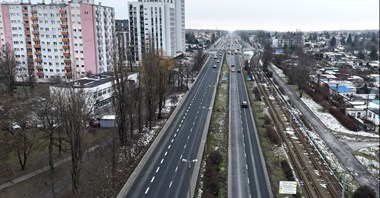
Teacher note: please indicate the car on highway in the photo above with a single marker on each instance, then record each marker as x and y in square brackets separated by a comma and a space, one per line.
[244, 104]
[217, 61]
[233, 70]
[214, 66]
[238, 71]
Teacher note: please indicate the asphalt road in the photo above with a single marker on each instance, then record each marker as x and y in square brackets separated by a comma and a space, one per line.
[361, 175]
[247, 173]
[164, 174]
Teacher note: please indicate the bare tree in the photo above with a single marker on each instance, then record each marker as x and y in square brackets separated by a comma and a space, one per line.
[164, 67]
[74, 109]
[7, 68]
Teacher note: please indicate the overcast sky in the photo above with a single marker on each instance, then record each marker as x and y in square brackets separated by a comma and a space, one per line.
[274, 15]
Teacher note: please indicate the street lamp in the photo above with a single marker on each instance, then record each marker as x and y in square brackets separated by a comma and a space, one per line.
[189, 162]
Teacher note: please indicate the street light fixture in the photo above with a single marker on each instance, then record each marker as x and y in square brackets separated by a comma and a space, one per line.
[189, 162]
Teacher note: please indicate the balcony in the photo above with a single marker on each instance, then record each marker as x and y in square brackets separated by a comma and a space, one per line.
[28, 45]
[35, 32]
[27, 32]
[26, 24]
[37, 53]
[25, 11]
[62, 11]
[65, 33]
[65, 40]
[65, 47]
[36, 39]
[28, 38]
[66, 54]
[34, 11]
[29, 53]
[38, 60]
[35, 25]
[40, 73]
[39, 67]
[68, 74]
[64, 25]
[26, 18]
[68, 68]
[63, 18]
[34, 18]
[37, 46]
[67, 61]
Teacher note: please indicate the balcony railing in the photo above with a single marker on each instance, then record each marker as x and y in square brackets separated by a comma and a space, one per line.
[38, 60]
[64, 25]
[28, 38]
[34, 11]
[63, 18]
[36, 39]
[27, 32]
[40, 73]
[34, 18]
[35, 25]
[35, 32]
[65, 47]
[65, 40]
[68, 74]
[37, 46]
[37, 53]
[65, 33]
[66, 54]
[39, 67]
[67, 67]
[67, 61]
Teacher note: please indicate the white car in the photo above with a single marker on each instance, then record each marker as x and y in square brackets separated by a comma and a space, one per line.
[244, 104]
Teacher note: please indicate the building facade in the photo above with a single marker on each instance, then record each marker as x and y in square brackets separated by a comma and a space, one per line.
[122, 34]
[62, 39]
[158, 23]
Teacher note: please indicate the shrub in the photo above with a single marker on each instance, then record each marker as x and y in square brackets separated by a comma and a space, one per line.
[287, 170]
[273, 136]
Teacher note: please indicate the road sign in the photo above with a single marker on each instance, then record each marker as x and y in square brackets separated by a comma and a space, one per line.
[288, 187]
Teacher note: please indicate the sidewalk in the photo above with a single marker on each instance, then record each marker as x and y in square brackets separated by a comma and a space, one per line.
[39, 171]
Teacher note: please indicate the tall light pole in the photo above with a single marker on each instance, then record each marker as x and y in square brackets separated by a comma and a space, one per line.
[189, 162]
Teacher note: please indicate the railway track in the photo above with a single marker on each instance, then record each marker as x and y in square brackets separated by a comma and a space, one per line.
[317, 179]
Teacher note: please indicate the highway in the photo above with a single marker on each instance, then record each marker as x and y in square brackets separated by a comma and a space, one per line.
[247, 171]
[163, 173]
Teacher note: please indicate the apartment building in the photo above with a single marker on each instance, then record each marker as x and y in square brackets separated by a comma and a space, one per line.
[60, 39]
[122, 34]
[159, 21]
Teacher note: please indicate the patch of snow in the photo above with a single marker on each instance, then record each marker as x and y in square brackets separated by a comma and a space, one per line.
[372, 166]
[331, 122]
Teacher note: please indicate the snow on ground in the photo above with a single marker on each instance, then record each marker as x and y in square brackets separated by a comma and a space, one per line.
[330, 121]
[371, 165]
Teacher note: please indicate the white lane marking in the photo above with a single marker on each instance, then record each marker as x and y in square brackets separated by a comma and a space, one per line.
[248, 180]
[177, 130]
[246, 166]
[245, 154]
[191, 130]
[180, 157]
[184, 117]
[169, 146]
[196, 116]
[162, 160]
[158, 168]
[176, 169]
[193, 123]
[172, 140]
[186, 114]
[170, 185]
[188, 137]
[166, 153]
[184, 146]
[181, 121]
[180, 125]
[175, 134]
[146, 191]
[152, 179]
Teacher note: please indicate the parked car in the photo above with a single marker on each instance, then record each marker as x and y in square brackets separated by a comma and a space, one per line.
[94, 122]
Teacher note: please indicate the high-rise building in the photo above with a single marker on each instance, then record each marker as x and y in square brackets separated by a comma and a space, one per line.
[60, 39]
[159, 21]
[122, 33]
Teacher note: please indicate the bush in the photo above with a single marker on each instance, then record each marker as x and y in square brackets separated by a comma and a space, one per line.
[287, 170]
[364, 192]
[212, 175]
[273, 136]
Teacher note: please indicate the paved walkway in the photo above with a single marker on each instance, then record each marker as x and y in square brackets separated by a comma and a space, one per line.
[39, 171]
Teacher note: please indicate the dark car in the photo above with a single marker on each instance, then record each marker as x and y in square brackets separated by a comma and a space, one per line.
[244, 104]
[94, 122]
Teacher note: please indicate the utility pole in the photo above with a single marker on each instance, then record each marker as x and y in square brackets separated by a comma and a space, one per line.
[189, 172]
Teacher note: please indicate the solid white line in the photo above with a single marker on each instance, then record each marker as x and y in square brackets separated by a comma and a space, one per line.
[146, 191]
[158, 168]
[170, 185]
[152, 179]
[176, 169]
[162, 160]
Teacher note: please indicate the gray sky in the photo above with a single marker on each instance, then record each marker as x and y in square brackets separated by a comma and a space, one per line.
[274, 15]
[279, 15]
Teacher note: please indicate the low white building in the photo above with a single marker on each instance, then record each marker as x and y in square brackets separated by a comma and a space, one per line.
[100, 87]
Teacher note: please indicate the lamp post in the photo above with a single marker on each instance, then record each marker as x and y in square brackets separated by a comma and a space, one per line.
[189, 162]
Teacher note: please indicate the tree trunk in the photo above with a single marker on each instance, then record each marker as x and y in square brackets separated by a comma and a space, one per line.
[51, 163]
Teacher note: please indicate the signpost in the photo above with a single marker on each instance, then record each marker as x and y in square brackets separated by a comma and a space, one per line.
[288, 187]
